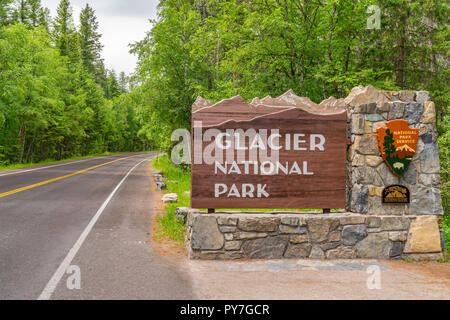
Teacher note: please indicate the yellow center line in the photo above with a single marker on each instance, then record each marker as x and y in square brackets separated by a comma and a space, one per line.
[59, 178]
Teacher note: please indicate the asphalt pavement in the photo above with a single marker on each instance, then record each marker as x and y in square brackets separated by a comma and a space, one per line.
[81, 230]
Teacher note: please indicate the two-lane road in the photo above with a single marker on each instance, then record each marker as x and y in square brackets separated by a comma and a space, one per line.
[90, 213]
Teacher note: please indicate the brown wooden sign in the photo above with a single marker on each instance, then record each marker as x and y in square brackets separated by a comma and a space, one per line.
[289, 154]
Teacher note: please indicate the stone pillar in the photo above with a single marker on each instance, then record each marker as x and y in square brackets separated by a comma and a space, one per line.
[369, 109]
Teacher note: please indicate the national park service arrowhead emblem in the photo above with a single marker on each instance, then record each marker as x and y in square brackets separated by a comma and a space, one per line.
[398, 145]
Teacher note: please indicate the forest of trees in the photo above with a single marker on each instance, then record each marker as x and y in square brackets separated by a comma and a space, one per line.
[219, 49]
[57, 99]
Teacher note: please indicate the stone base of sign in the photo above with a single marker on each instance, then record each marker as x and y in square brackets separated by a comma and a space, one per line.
[230, 236]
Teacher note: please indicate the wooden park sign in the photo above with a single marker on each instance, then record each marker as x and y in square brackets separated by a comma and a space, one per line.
[272, 153]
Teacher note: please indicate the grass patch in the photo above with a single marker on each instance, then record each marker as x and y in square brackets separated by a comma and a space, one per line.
[178, 180]
[446, 226]
[27, 165]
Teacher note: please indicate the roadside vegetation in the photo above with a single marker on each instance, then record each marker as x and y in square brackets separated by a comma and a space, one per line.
[178, 180]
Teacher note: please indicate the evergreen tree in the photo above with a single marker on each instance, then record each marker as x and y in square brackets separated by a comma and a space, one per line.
[123, 82]
[91, 46]
[112, 89]
[63, 27]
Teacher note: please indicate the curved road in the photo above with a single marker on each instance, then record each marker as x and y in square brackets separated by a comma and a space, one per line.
[87, 217]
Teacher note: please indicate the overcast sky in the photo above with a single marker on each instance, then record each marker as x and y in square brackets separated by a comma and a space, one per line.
[121, 22]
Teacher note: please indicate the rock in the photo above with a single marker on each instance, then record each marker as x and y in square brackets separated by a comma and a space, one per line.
[375, 246]
[360, 199]
[298, 251]
[373, 161]
[430, 180]
[335, 236]
[157, 173]
[374, 117]
[419, 150]
[170, 198]
[367, 144]
[353, 234]
[387, 176]
[341, 253]
[290, 221]
[206, 234]
[330, 245]
[368, 127]
[292, 230]
[414, 112]
[317, 253]
[229, 236]
[397, 249]
[411, 175]
[376, 207]
[318, 229]
[351, 220]
[375, 191]
[227, 229]
[422, 96]
[365, 176]
[398, 236]
[181, 214]
[407, 95]
[397, 110]
[233, 245]
[427, 138]
[158, 178]
[362, 95]
[426, 200]
[358, 124]
[394, 223]
[424, 236]
[249, 235]
[373, 222]
[268, 248]
[358, 160]
[299, 238]
[429, 115]
[259, 225]
[429, 161]
[161, 186]
[227, 221]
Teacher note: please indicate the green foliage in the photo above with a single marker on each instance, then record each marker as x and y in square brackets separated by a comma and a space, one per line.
[444, 150]
[54, 103]
[219, 49]
[178, 181]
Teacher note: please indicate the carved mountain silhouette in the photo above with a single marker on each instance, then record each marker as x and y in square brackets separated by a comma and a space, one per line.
[405, 148]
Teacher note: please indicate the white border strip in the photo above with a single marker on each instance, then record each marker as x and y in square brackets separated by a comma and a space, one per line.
[50, 166]
[54, 281]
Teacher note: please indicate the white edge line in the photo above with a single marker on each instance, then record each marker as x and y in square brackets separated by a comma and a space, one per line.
[56, 278]
[50, 166]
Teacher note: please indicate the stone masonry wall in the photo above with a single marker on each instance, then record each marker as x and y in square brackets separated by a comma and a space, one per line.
[225, 236]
